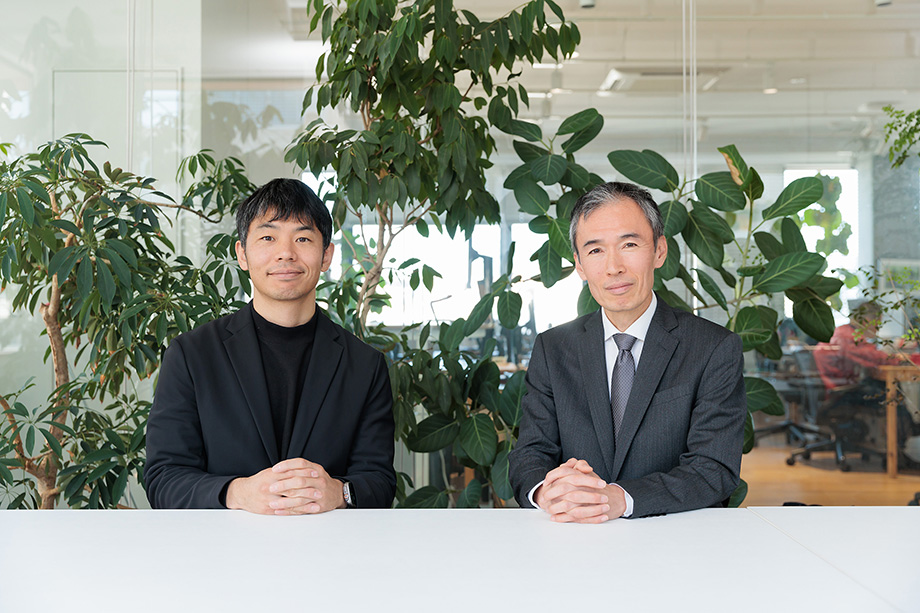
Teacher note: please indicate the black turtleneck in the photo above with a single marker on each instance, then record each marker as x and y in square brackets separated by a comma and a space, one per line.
[285, 356]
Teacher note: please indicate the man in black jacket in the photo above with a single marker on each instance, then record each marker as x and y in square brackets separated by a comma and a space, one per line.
[273, 409]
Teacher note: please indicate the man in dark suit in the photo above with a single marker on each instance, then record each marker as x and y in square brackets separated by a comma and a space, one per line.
[645, 401]
[273, 409]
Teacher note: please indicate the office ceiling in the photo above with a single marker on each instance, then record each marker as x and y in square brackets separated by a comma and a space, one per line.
[832, 63]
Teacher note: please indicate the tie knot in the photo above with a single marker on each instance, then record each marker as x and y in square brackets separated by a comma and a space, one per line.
[624, 341]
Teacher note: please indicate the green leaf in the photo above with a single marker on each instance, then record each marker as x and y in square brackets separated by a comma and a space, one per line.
[121, 483]
[549, 168]
[449, 336]
[428, 275]
[433, 434]
[470, 496]
[671, 265]
[5, 475]
[26, 210]
[815, 318]
[586, 302]
[428, 497]
[583, 137]
[713, 221]
[509, 309]
[524, 129]
[703, 241]
[66, 225]
[674, 216]
[825, 287]
[100, 471]
[712, 288]
[509, 406]
[755, 189]
[479, 439]
[53, 443]
[749, 326]
[738, 168]
[550, 265]
[769, 245]
[579, 121]
[528, 152]
[85, 277]
[479, 314]
[738, 495]
[106, 284]
[771, 349]
[645, 168]
[761, 396]
[717, 190]
[531, 198]
[501, 484]
[787, 271]
[792, 236]
[57, 263]
[797, 195]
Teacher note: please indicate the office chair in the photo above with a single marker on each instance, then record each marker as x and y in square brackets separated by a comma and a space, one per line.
[838, 409]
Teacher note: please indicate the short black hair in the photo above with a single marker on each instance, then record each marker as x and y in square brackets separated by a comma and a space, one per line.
[614, 191]
[284, 199]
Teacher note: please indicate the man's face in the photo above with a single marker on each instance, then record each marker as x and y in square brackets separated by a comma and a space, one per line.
[617, 256]
[284, 259]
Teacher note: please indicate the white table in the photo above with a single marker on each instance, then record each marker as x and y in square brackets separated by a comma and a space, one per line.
[764, 559]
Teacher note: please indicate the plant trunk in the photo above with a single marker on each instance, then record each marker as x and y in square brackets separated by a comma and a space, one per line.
[47, 467]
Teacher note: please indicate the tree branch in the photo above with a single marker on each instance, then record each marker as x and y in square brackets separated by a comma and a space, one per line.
[17, 443]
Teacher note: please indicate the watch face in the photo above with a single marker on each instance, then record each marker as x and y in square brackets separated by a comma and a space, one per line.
[346, 492]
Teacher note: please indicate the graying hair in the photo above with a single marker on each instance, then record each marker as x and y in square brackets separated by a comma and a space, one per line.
[615, 191]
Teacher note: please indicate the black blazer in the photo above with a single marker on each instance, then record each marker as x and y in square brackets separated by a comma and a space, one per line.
[683, 430]
[211, 422]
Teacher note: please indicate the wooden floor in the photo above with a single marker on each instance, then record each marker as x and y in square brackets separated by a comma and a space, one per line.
[818, 481]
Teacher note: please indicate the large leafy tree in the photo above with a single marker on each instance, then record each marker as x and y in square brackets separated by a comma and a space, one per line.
[85, 250]
[427, 83]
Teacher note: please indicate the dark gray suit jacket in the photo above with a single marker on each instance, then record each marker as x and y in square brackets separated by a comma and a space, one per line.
[211, 421]
[682, 434]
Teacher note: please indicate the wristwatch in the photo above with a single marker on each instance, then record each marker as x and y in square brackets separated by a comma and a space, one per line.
[349, 494]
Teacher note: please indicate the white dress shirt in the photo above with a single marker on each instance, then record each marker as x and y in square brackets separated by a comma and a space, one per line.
[639, 330]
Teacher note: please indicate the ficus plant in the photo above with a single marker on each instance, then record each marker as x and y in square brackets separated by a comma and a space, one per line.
[85, 249]
[744, 253]
[422, 79]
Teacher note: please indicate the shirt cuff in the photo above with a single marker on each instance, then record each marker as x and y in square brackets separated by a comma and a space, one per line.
[629, 502]
[532, 492]
[629, 499]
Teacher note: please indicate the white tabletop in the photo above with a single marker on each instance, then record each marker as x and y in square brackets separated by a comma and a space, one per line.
[459, 560]
[877, 546]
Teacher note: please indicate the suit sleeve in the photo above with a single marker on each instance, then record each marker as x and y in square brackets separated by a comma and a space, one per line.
[370, 463]
[176, 474]
[538, 448]
[709, 469]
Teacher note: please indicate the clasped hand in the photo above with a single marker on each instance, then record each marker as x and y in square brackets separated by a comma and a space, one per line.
[291, 487]
[574, 493]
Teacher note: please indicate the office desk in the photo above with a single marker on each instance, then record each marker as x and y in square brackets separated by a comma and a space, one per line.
[892, 375]
[874, 545]
[453, 561]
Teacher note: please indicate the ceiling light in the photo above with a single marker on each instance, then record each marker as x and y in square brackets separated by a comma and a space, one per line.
[770, 90]
[545, 66]
[612, 77]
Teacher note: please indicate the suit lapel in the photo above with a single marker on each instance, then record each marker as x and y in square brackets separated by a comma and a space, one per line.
[593, 363]
[324, 361]
[243, 349]
[656, 353]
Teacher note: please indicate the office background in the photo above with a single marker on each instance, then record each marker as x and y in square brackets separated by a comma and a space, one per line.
[798, 87]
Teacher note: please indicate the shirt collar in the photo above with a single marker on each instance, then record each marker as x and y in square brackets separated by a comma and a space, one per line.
[639, 328]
